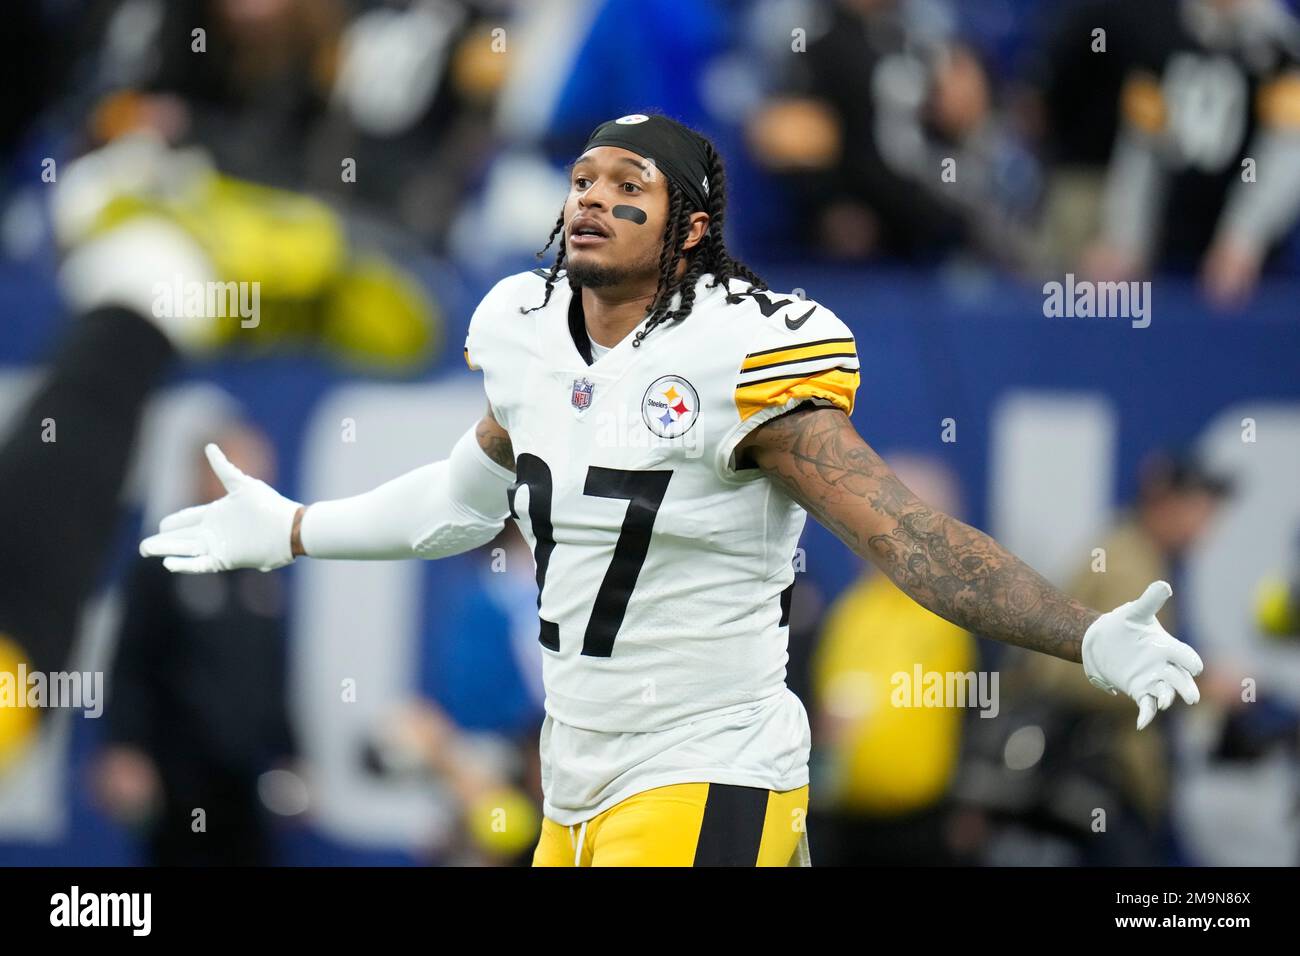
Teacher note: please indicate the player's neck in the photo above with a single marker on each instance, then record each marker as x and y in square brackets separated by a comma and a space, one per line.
[612, 312]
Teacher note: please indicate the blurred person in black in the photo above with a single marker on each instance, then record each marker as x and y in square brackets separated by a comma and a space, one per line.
[1069, 102]
[62, 467]
[286, 92]
[1205, 173]
[196, 710]
[886, 131]
[65, 455]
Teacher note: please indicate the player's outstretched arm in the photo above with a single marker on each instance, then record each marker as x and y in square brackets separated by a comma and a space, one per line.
[960, 573]
[434, 511]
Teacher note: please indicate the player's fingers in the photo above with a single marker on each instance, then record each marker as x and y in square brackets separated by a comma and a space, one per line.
[1164, 694]
[185, 518]
[230, 475]
[1152, 600]
[1184, 656]
[204, 564]
[1182, 682]
[178, 544]
[1147, 710]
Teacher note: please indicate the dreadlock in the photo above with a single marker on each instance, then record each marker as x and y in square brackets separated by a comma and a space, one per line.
[709, 255]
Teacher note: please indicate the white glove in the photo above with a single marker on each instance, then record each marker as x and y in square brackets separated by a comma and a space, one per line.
[248, 528]
[1127, 649]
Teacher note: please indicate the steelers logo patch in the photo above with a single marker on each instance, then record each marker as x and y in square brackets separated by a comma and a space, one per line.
[631, 118]
[670, 406]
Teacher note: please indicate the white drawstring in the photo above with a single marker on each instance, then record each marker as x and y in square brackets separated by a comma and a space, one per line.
[582, 835]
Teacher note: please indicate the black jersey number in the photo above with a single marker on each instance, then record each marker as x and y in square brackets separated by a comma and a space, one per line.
[644, 492]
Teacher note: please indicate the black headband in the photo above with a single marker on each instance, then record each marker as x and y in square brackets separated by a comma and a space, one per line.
[678, 151]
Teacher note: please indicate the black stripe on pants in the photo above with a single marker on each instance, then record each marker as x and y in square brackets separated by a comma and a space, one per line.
[732, 828]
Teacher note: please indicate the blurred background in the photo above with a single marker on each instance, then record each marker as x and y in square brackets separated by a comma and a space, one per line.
[377, 166]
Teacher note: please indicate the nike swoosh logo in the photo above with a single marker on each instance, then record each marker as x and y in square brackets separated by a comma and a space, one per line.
[793, 324]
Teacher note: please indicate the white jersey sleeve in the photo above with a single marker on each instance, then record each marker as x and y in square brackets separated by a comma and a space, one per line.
[796, 351]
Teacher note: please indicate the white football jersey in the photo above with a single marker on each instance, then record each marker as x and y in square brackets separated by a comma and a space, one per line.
[664, 574]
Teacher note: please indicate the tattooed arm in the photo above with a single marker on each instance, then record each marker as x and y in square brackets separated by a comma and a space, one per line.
[495, 440]
[817, 457]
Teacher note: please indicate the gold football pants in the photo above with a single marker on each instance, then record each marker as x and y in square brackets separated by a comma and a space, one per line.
[687, 824]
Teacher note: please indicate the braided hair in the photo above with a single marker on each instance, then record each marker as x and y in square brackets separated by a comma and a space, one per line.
[709, 255]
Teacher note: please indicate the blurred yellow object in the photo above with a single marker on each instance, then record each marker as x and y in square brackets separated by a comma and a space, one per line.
[291, 244]
[504, 822]
[17, 724]
[889, 759]
[291, 250]
[379, 317]
[1274, 610]
[480, 64]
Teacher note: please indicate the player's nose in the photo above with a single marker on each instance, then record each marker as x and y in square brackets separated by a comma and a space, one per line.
[591, 200]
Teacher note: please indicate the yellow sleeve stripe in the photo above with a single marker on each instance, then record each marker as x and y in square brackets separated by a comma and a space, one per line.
[472, 366]
[789, 364]
[1279, 102]
[790, 353]
[836, 385]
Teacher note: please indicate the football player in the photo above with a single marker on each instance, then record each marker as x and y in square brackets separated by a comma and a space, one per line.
[659, 423]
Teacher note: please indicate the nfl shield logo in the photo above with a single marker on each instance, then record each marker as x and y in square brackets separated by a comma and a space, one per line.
[582, 388]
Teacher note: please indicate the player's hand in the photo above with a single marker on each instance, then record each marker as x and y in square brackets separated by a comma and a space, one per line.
[248, 528]
[1230, 272]
[1127, 649]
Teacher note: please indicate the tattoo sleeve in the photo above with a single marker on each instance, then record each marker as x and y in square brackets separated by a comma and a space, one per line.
[495, 441]
[958, 572]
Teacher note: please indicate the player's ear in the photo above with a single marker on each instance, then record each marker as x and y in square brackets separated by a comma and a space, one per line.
[699, 226]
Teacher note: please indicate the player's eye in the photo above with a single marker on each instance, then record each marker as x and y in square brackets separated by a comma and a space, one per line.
[581, 182]
[635, 187]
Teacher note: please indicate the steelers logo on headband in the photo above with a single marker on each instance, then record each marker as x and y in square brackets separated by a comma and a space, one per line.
[677, 151]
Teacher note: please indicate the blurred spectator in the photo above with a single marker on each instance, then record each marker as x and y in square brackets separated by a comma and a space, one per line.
[63, 463]
[472, 731]
[1093, 734]
[578, 63]
[65, 454]
[888, 132]
[883, 771]
[1205, 172]
[481, 664]
[385, 110]
[480, 773]
[1239, 779]
[281, 264]
[197, 709]
[1071, 106]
